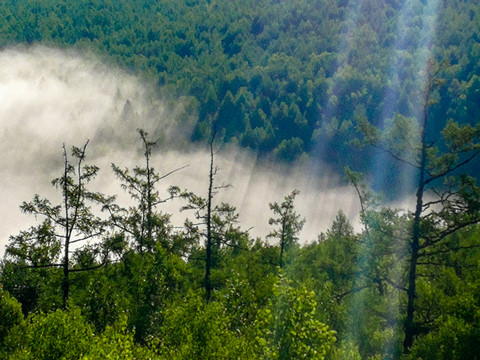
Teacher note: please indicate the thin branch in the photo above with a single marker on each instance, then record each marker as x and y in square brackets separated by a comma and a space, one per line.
[85, 238]
[447, 250]
[354, 290]
[442, 199]
[441, 235]
[196, 258]
[396, 286]
[235, 246]
[447, 265]
[448, 171]
[171, 172]
[396, 157]
[37, 266]
[87, 269]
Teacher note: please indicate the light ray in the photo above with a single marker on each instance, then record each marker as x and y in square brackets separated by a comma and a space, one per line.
[421, 56]
[412, 45]
[330, 114]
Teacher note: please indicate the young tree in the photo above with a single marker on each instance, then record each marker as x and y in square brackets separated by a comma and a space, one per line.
[454, 199]
[65, 225]
[209, 243]
[219, 221]
[142, 224]
[288, 221]
[382, 233]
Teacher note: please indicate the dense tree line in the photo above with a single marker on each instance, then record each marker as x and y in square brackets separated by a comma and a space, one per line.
[125, 283]
[283, 77]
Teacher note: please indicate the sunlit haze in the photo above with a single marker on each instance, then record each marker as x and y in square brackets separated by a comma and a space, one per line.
[51, 97]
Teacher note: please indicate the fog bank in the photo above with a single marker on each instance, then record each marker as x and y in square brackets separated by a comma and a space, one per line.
[50, 97]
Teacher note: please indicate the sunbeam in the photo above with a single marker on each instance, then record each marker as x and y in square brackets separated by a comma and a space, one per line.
[383, 169]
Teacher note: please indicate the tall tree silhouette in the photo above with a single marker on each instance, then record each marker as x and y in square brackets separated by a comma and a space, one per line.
[437, 158]
[65, 225]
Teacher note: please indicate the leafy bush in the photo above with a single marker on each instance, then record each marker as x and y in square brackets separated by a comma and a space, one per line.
[288, 327]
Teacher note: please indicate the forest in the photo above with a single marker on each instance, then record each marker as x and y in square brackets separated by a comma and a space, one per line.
[286, 78]
[124, 283]
[296, 81]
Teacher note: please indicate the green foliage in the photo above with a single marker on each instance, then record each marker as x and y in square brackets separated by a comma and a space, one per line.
[285, 77]
[10, 315]
[452, 206]
[345, 350]
[145, 303]
[453, 338]
[35, 290]
[40, 250]
[288, 327]
[100, 298]
[117, 343]
[355, 277]
[58, 335]
[64, 334]
[195, 329]
[449, 305]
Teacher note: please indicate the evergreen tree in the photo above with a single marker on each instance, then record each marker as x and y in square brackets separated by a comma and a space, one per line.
[289, 224]
[437, 160]
[65, 226]
[142, 225]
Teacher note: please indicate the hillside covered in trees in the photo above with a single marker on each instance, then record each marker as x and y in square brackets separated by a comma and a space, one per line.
[287, 78]
[377, 85]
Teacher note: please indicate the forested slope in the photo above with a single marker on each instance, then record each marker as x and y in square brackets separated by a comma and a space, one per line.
[282, 77]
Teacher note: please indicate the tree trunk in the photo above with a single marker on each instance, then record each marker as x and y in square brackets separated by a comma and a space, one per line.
[208, 265]
[409, 326]
[65, 281]
[282, 243]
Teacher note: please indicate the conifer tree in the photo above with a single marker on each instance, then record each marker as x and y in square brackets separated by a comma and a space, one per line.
[289, 224]
[141, 224]
[65, 227]
[453, 200]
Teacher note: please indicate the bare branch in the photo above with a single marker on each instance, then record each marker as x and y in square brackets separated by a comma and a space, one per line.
[87, 269]
[173, 171]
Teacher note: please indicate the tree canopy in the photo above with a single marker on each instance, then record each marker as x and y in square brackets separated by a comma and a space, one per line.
[281, 77]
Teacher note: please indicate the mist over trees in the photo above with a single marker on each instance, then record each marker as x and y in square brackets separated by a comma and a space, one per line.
[146, 289]
[281, 77]
[369, 84]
